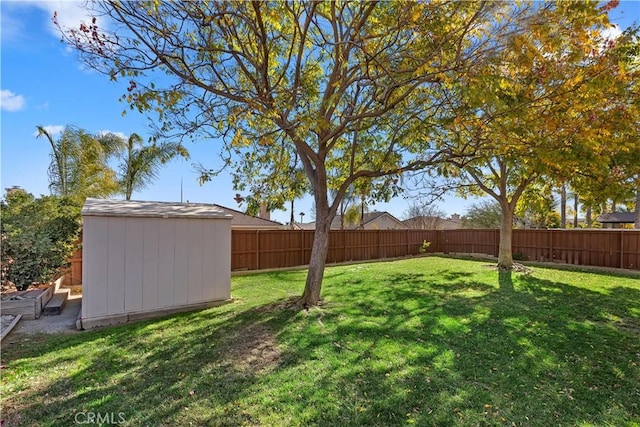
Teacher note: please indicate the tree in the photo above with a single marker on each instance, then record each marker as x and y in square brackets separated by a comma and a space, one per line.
[425, 216]
[348, 199]
[485, 214]
[563, 205]
[322, 80]
[38, 236]
[141, 163]
[537, 208]
[614, 176]
[79, 164]
[531, 111]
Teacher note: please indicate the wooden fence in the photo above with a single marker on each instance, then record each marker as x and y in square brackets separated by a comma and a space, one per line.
[263, 249]
[73, 275]
[601, 248]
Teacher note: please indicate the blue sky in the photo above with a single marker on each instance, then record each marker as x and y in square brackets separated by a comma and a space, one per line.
[43, 83]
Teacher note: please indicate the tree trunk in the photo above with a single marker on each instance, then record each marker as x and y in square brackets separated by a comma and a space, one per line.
[563, 206]
[292, 220]
[575, 210]
[505, 256]
[588, 217]
[319, 249]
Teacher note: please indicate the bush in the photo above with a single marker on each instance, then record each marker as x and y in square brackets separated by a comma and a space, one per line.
[38, 237]
[425, 246]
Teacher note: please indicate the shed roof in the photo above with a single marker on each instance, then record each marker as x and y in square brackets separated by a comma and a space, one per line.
[135, 208]
[618, 217]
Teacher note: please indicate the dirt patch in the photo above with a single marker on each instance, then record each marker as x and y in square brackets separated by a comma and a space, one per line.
[289, 303]
[516, 268]
[629, 325]
[253, 349]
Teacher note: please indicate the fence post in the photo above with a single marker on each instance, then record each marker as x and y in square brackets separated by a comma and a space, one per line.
[257, 249]
[344, 245]
[378, 234]
[621, 249]
[406, 241]
[302, 241]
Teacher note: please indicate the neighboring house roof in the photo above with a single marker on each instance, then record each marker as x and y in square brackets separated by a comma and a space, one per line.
[242, 220]
[304, 225]
[372, 220]
[617, 217]
[433, 223]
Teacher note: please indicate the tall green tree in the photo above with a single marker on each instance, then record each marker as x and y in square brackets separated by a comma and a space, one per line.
[614, 176]
[38, 236]
[484, 214]
[79, 164]
[322, 78]
[531, 111]
[140, 163]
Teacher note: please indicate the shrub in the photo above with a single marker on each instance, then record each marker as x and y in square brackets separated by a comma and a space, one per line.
[38, 237]
[424, 247]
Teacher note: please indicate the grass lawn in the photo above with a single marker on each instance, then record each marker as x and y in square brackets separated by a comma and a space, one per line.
[427, 341]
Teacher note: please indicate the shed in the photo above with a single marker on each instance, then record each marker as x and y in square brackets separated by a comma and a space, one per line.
[148, 259]
[616, 219]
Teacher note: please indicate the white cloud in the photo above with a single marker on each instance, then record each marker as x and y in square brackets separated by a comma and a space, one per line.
[69, 14]
[118, 134]
[52, 129]
[611, 33]
[10, 101]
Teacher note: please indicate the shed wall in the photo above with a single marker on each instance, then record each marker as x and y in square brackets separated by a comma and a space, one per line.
[142, 265]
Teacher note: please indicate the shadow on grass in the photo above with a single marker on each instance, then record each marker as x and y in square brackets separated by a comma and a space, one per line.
[407, 348]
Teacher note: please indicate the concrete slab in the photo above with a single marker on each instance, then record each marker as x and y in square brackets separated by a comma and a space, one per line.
[65, 322]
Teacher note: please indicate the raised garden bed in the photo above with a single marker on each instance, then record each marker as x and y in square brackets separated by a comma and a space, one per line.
[28, 303]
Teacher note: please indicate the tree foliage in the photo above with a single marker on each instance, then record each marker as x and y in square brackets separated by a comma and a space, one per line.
[484, 214]
[537, 208]
[140, 164]
[79, 164]
[340, 85]
[38, 236]
[544, 109]
[424, 216]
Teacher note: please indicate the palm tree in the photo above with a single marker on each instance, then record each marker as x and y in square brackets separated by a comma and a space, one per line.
[79, 164]
[141, 163]
[62, 152]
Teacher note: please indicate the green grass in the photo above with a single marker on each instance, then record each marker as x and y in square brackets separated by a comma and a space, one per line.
[428, 341]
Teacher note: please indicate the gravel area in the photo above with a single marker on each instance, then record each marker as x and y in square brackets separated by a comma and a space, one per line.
[65, 322]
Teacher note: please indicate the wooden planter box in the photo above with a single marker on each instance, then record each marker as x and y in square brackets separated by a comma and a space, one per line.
[31, 307]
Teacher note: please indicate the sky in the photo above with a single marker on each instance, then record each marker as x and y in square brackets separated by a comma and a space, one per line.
[43, 83]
